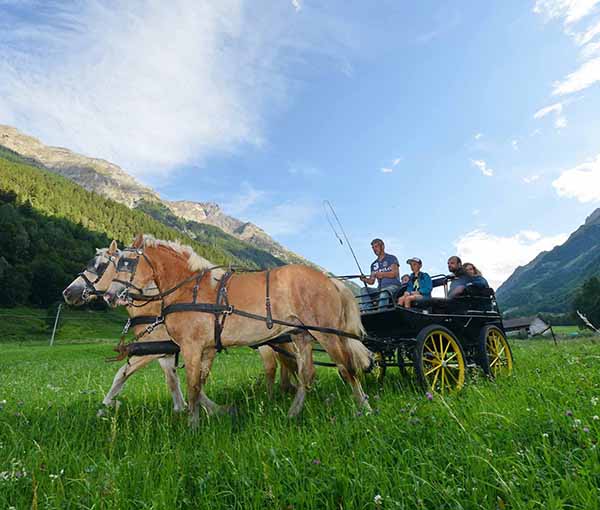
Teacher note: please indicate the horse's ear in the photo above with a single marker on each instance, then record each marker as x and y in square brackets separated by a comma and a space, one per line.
[113, 248]
[138, 242]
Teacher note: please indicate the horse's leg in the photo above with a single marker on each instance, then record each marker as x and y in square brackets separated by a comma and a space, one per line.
[212, 408]
[124, 373]
[167, 363]
[306, 371]
[288, 368]
[192, 353]
[270, 363]
[340, 352]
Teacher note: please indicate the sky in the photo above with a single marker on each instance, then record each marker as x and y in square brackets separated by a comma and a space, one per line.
[442, 127]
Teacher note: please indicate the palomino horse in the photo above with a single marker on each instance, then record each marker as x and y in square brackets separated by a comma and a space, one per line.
[299, 295]
[95, 280]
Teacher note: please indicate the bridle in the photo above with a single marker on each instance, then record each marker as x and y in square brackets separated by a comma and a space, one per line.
[130, 265]
[90, 286]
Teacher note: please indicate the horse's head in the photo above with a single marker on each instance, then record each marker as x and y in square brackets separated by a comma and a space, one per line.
[134, 272]
[95, 278]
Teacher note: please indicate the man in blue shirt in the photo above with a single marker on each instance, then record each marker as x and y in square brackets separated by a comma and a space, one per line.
[384, 270]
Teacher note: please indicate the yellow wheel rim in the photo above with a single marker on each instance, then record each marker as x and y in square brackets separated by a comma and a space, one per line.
[443, 363]
[499, 355]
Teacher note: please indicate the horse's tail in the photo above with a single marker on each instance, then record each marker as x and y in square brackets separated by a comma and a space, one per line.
[361, 358]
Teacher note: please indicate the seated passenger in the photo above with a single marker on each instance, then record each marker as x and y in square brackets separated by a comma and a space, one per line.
[477, 279]
[419, 284]
[461, 278]
[404, 280]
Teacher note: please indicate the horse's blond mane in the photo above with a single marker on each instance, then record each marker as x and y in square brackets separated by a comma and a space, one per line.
[195, 261]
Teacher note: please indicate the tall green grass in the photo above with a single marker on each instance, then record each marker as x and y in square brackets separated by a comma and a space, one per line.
[527, 441]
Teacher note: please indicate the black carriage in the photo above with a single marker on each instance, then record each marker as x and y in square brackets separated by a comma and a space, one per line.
[439, 338]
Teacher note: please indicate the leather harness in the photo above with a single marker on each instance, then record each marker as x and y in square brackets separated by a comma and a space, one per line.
[220, 309]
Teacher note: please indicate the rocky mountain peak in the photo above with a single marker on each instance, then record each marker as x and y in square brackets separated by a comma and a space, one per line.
[92, 174]
[593, 218]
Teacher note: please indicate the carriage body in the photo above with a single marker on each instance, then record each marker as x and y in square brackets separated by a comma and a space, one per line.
[438, 339]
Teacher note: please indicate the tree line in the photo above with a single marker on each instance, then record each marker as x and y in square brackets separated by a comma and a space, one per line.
[50, 227]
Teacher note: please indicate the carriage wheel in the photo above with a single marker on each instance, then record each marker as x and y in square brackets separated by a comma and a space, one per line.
[379, 367]
[439, 360]
[495, 351]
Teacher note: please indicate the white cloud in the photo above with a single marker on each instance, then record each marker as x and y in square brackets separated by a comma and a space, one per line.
[239, 204]
[297, 5]
[581, 182]
[482, 165]
[582, 38]
[590, 50]
[560, 121]
[587, 74]
[515, 144]
[477, 136]
[498, 256]
[570, 10]
[530, 179]
[387, 170]
[288, 218]
[542, 112]
[155, 85]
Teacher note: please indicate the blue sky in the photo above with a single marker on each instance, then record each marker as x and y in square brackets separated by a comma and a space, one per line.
[442, 127]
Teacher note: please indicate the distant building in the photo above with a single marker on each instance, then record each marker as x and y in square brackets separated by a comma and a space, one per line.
[525, 327]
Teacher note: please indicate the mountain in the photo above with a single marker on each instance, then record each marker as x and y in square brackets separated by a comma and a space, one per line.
[547, 284]
[110, 181]
[211, 214]
[50, 227]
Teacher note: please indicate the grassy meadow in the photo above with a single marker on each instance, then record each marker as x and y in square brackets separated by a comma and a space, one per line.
[527, 441]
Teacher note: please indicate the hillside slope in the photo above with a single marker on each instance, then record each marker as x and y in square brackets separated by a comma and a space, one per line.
[111, 181]
[548, 282]
[50, 227]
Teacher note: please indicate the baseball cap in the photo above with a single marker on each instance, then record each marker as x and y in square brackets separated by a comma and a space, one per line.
[415, 259]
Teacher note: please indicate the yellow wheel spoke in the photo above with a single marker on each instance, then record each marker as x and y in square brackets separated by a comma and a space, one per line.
[433, 369]
[443, 379]
[452, 375]
[434, 380]
[446, 349]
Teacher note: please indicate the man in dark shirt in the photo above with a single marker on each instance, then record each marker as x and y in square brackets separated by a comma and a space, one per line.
[461, 278]
[384, 270]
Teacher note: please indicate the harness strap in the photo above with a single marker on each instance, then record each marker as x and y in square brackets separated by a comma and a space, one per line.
[221, 316]
[229, 309]
[268, 302]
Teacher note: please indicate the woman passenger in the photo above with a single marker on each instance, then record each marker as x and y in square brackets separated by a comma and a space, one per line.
[477, 280]
[419, 284]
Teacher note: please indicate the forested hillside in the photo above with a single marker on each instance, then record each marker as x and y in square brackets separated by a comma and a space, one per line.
[549, 283]
[49, 228]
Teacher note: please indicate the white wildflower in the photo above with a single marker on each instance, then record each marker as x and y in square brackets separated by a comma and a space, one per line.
[378, 499]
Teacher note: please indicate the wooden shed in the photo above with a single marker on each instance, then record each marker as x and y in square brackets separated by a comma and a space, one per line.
[526, 327]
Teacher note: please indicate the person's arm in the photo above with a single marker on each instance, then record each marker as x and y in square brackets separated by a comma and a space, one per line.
[369, 280]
